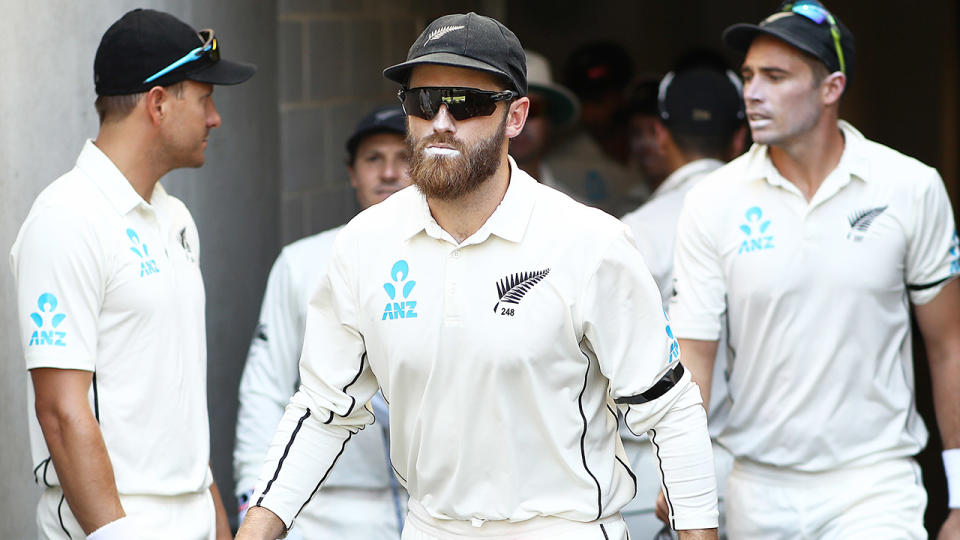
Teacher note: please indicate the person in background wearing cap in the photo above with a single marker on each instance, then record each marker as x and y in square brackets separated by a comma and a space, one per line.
[812, 243]
[578, 157]
[112, 301]
[552, 107]
[700, 127]
[503, 322]
[362, 499]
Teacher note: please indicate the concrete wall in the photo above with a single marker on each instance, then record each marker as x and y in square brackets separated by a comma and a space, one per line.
[46, 111]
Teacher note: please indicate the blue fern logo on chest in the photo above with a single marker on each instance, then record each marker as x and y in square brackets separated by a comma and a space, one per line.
[148, 265]
[861, 220]
[755, 229]
[512, 288]
[399, 308]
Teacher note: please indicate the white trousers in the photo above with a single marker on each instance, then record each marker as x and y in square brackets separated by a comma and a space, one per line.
[883, 501]
[185, 517]
[420, 526]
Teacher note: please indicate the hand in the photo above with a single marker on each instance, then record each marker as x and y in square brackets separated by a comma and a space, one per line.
[661, 510]
[951, 527]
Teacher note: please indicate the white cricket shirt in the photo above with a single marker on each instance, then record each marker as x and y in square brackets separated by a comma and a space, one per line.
[271, 373]
[817, 296]
[109, 283]
[500, 358]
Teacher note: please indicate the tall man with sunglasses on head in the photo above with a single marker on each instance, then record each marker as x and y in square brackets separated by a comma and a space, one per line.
[112, 301]
[504, 323]
[815, 243]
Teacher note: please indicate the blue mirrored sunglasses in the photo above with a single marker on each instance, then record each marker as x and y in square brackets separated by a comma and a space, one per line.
[208, 49]
[811, 9]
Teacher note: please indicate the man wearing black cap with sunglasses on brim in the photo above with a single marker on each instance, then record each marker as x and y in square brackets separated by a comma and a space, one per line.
[112, 302]
[503, 321]
[812, 243]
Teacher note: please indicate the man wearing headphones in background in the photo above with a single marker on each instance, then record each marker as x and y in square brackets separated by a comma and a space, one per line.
[362, 499]
[700, 127]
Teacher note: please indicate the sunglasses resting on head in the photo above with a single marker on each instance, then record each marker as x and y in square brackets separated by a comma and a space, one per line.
[463, 103]
[208, 49]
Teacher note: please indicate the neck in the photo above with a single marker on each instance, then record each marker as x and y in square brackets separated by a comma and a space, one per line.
[464, 216]
[133, 154]
[808, 160]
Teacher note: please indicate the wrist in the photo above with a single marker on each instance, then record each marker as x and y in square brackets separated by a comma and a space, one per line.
[951, 466]
[119, 529]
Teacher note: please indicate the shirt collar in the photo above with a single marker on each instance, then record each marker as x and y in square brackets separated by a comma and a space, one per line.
[854, 162]
[680, 176]
[508, 221]
[112, 183]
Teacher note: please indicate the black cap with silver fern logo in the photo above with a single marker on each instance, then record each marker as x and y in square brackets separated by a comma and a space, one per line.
[469, 41]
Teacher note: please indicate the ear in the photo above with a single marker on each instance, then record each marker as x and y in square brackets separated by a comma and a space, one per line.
[353, 176]
[156, 104]
[517, 116]
[662, 135]
[832, 87]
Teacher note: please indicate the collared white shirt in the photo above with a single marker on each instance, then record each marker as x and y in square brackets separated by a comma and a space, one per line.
[500, 357]
[817, 299]
[109, 283]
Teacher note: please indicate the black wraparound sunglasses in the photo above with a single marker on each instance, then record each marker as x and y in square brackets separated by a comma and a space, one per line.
[463, 103]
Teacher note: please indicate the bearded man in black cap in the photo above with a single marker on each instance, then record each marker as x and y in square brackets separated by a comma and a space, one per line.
[112, 301]
[502, 420]
[812, 243]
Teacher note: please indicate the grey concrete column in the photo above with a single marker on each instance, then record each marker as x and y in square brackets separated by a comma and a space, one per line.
[46, 112]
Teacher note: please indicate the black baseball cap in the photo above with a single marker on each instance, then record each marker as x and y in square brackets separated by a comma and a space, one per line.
[468, 41]
[597, 67]
[799, 31]
[384, 119]
[144, 42]
[701, 101]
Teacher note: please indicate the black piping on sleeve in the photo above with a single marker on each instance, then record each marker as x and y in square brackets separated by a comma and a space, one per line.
[286, 451]
[922, 286]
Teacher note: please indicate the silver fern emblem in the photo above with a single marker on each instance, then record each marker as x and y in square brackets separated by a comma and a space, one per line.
[440, 32]
[861, 220]
[512, 288]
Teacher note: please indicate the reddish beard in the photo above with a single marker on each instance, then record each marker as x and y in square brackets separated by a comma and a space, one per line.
[448, 178]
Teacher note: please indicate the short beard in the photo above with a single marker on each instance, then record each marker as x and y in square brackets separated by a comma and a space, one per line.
[448, 178]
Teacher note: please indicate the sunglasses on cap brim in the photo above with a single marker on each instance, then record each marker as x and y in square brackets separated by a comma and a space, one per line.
[462, 103]
[209, 49]
[812, 10]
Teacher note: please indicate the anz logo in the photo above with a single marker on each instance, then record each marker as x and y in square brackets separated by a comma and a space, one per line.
[674, 346]
[399, 308]
[755, 228]
[47, 335]
[148, 266]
